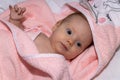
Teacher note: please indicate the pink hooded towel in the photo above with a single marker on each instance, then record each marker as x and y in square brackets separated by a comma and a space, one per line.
[20, 59]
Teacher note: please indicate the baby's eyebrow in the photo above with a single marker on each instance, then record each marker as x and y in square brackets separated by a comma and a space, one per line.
[72, 28]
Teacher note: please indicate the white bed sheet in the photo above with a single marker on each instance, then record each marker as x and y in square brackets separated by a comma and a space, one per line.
[111, 72]
[4, 4]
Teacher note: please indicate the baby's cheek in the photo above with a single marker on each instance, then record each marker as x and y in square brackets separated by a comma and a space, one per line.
[75, 52]
[79, 51]
[72, 53]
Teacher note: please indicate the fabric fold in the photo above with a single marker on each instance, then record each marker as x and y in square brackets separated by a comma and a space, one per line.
[20, 58]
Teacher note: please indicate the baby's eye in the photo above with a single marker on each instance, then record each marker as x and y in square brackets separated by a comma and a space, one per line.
[69, 31]
[78, 44]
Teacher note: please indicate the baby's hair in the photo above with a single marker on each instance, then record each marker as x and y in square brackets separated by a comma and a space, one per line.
[68, 18]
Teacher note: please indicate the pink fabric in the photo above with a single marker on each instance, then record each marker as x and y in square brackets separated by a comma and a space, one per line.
[106, 39]
[20, 59]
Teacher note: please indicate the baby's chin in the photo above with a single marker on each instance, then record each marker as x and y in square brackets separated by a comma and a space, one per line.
[69, 57]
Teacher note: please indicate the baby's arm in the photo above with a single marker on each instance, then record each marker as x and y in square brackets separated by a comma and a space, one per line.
[16, 16]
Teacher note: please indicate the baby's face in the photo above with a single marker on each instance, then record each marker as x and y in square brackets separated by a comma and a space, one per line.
[72, 37]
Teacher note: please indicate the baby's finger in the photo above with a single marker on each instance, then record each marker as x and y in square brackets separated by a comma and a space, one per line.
[16, 8]
[10, 7]
[20, 11]
[23, 10]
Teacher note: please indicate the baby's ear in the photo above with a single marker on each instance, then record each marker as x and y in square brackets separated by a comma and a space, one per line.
[57, 25]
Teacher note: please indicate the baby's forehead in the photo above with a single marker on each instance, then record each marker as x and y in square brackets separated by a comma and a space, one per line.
[71, 17]
[76, 20]
[79, 24]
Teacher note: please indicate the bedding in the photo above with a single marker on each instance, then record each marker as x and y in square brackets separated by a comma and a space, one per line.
[4, 4]
[23, 61]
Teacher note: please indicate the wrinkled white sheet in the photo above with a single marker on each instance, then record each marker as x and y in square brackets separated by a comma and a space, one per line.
[5, 3]
[112, 71]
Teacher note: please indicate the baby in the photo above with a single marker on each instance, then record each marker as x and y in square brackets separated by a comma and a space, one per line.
[70, 36]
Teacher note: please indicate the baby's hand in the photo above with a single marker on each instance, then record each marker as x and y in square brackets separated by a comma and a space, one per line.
[16, 13]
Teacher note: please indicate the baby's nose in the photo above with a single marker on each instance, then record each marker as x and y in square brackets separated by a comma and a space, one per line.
[70, 42]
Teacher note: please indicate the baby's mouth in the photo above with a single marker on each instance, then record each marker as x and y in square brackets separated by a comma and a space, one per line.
[64, 46]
